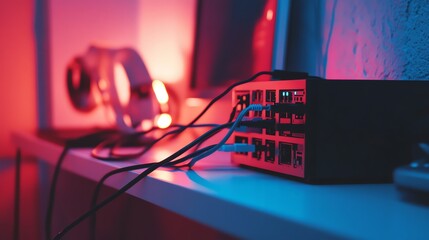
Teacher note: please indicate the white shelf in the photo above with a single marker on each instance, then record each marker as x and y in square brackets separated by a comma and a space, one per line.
[254, 205]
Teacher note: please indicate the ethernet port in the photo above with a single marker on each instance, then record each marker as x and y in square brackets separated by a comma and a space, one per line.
[295, 129]
[270, 151]
[297, 155]
[243, 100]
[285, 96]
[270, 114]
[257, 96]
[257, 114]
[285, 153]
[257, 154]
[285, 115]
[239, 139]
[270, 96]
[297, 161]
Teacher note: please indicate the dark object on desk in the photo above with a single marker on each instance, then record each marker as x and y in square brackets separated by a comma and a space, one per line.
[86, 137]
[412, 180]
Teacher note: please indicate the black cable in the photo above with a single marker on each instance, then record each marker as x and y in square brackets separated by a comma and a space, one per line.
[51, 199]
[277, 73]
[121, 157]
[94, 199]
[174, 164]
[141, 166]
[109, 142]
[54, 181]
[130, 184]
[133, 167]
[115, 143]
[231, 118]
[171, 164]
[17, 194]
[169, 159]
[150, 145]
[145, 165]
[234, 110]
[214, 100]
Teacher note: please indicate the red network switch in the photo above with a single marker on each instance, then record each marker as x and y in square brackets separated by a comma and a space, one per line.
[332, 130]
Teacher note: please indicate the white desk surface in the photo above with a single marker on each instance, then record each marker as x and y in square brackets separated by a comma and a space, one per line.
[254, 205]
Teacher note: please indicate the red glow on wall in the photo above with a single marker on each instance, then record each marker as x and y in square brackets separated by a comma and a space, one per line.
[356, 40]
[18, 75]
[166, 38]
[263, 40]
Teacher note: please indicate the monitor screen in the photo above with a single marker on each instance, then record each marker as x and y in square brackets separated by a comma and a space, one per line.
[235, 39]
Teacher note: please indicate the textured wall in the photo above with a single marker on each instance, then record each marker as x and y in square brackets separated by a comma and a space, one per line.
[412, 17]
[357, 40]
[362, 39]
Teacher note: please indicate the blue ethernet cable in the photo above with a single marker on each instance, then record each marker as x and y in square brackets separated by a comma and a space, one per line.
[252, 107]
